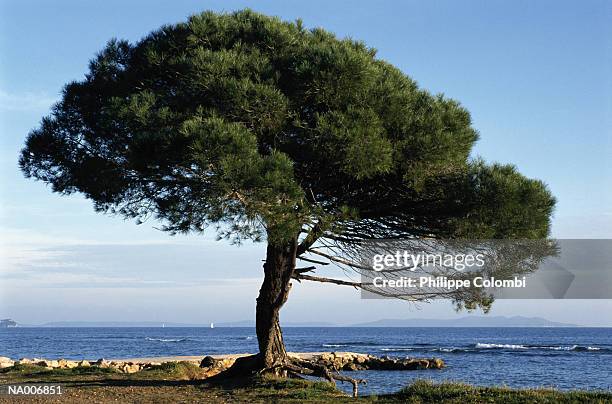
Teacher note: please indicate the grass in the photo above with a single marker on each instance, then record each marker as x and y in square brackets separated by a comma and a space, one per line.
[428, 392]
[180, 382]
[27, 372]
[171, 370]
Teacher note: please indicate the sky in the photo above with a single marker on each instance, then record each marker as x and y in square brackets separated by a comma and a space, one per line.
[535, 75]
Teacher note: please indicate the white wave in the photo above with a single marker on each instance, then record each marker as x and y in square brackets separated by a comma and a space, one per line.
[499, 346]
[166, 339]
[396, 349]
[333, 345]
[542, 347]
[560, 348]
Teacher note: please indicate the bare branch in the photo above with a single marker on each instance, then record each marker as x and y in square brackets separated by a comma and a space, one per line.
[338, 260]
[313, 261]
[327, 280]
[305, 269]
[414, 297]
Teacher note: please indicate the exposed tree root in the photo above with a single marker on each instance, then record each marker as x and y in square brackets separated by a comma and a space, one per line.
[290, 367]
[302, 366]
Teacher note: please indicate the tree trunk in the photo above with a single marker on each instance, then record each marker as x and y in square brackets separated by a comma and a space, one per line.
[278, 268]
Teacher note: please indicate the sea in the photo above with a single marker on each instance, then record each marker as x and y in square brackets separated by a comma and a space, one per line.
[562, 358]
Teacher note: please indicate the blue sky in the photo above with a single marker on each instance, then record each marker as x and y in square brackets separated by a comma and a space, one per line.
[536, 76]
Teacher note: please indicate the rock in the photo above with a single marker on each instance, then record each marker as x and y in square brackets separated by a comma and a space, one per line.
[208, 362]
[214, 366]
[391, 364]
[63, 363]
[150, 365]
[130, 367]
[103, 363]
[364, 362]
[436, 363]
[375, 363]
[409, 364]
[350, 366]
[6, 362]
[423, 363]
[337, 363]
[46, 363]
[84, 364]
[24, 361]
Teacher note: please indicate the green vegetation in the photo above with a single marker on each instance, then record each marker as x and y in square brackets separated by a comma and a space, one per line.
[33, 371]
[174, 370]
[428, 392]
[180, 382]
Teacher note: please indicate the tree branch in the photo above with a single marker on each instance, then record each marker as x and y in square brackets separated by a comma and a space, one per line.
[310, 239]
[413, 297]
[327, 280]
[338, 260]
[305, 269]
[313, 261]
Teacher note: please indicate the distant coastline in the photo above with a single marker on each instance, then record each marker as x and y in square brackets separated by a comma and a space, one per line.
[467, 321]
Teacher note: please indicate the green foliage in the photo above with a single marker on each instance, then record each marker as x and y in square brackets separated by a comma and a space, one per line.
[427, 392]
[36, 371]
[261, 127]
[174, 370]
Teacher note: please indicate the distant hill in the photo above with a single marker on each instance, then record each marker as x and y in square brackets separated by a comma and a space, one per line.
[116, 324]
[250, 323]
[245, 323]
[469, 321]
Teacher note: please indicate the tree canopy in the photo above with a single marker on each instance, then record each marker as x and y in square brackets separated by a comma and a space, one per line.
[268, 130]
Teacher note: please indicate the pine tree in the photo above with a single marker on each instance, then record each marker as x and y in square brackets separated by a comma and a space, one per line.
[268, 131]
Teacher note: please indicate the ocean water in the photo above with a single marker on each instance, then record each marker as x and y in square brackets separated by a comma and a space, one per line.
[563, 358]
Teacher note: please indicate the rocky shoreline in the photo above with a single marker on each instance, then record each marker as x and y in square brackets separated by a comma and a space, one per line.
[345, 361]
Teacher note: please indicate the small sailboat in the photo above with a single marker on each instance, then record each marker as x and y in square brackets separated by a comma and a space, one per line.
[163, 325]
[212, 325]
